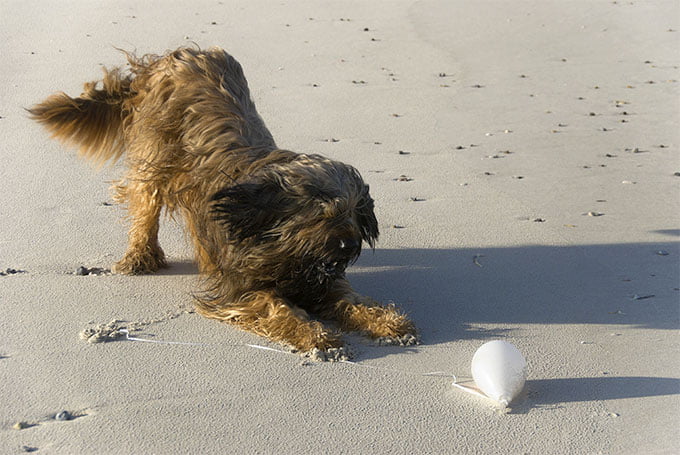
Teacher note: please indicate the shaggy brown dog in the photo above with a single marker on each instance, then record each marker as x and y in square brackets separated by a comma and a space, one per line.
[273, 230]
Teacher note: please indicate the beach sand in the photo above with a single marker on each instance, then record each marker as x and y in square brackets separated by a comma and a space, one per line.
[539, 141]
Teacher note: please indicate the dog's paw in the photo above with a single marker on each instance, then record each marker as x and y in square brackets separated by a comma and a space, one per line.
[140, 264]
[343, 353]
[404, 340]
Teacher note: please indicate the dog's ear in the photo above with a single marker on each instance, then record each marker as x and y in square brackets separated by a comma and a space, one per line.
[248, 210]
[368, 224]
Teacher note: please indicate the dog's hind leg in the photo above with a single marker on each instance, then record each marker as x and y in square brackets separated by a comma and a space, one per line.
[144, 254]
[206, 265]
[265, 313]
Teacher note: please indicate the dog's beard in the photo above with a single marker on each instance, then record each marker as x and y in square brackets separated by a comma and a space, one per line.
[312, 278]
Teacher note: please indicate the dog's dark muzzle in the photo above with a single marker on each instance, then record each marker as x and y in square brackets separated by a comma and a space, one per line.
[333, 269]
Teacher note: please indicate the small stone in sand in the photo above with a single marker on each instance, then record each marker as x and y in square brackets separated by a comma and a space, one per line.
[475, 260]
[21, 425]
[594, 213]
[10, 271]
[63, 416]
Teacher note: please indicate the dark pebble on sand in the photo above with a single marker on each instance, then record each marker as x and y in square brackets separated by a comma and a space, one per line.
[10, 271]
[82, 271]
[63, 416]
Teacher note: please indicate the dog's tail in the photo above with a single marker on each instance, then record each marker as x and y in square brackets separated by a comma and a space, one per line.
[92, 122]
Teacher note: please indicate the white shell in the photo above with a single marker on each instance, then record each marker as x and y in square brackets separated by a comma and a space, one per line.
[499, 370]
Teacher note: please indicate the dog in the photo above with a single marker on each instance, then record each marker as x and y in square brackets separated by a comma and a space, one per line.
[274, 231]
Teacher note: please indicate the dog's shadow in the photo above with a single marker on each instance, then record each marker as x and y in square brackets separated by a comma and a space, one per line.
[454, 294]
[179, 268]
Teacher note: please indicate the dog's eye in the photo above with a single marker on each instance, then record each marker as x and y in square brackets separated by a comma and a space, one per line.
[334, 208]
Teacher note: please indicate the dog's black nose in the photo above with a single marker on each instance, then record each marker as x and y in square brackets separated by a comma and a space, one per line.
[349, 245]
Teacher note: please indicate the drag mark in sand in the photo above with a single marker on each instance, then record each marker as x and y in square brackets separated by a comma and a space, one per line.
[118, 329]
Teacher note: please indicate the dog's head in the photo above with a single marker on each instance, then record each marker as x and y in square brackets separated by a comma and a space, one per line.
[302, 222]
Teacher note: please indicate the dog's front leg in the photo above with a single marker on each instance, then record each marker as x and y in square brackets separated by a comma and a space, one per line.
[267, 314]
[355, 312]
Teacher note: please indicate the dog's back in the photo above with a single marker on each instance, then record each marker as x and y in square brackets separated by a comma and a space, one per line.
[187, 98]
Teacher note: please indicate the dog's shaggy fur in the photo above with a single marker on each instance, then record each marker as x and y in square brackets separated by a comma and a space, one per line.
[273, 230]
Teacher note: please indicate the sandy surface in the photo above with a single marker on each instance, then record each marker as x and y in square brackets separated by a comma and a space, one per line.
[516, 120]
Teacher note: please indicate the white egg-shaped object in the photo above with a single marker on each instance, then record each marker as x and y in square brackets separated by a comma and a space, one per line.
[499, 370]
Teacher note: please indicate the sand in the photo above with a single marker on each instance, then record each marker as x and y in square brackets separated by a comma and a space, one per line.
[512, 122]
